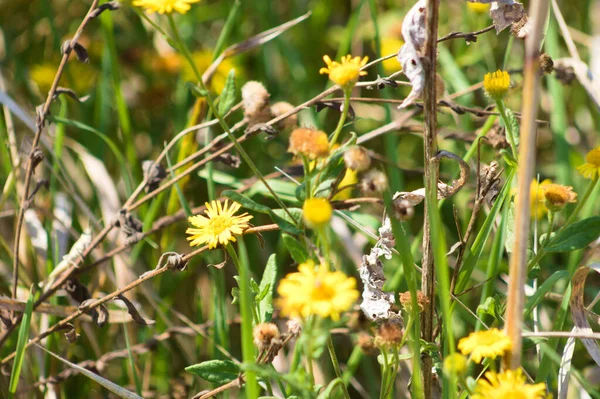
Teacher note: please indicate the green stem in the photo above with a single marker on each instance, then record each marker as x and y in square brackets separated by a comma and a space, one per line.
[186, 53]
[582, 202]
[384, 373]
[340, 125]
[336, 365]
[247, 325]
[509, 132]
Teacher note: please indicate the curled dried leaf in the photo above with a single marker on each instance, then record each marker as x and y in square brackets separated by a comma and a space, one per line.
[270, 131]
[578, 309]
[153, 173]
[336, 106]
[111, 6]
[70, 93]
[71, 334]
[135, 314]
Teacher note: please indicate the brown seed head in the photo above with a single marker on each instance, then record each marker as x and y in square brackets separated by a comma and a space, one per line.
[546, 64]
[255, 100]
[374, 182]
[357, 158]
[406, 301]
[403, 209]
[389, 333]
[264, 334]
[280, 108]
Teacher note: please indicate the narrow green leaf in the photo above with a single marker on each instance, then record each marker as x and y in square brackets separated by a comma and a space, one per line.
[182, 200]
[227, 98]
[296, 250]
[576, 236]
[21, 342]
[196, 91]
[542, 290]
[267, 284]
[246, 202]
[216, 371]
[284, 222]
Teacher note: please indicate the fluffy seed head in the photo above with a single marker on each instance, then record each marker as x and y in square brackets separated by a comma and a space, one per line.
[255, 100]
[264, 334]
[280, 108]
[357, 158]
[374, 182]
[403, 209]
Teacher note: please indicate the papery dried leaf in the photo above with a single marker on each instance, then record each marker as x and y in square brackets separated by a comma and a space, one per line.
[578, 309]
[565, 366]
[153, 173]
[135, 314]
[71, 333]
[270, 131]
[409, 55]
[70, 93]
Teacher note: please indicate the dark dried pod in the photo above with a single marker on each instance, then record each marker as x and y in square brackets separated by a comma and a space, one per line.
[566, 74]
[261, 127]
[335, 105]
[70, 93]
[129, 224]
[153, 173]
[230, 160]
[81, 52]
[37, 156]
[111, 6]
[135, 314]
[546, 64]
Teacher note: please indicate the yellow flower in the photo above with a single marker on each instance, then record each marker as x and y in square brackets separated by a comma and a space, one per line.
[510, 384]
[220, 225]
[346, 185]
[479, 8]
[490, 343]
[202, 59]
[78, 76]
[557, 196]
[309, 142]
[496, 84]
[316, 291]
[391, 45]
[347, 73]
[591, 168]
[455, 364]
[165, 6]
[537, 199]
[316, 212]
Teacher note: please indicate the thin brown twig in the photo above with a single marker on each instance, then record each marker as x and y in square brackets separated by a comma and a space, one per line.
[468, 36]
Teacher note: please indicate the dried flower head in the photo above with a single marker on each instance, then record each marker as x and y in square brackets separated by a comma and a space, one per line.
[366, 343]
[281, 108]
[406, 300]
[490, 343]
[557, 196]
[546, 64]
[165, 6]
[345, 187]
[309, 142]
[264, 334]
[347, 72]
[389, 333]
[315, 290]
[357, 158]
[403, 209]
[220, 225]
[455, 364]
[591, 168]
[496, 84]
[255, 100]
[317, 212]
[294, 327]
[508, 385]
[374, 182]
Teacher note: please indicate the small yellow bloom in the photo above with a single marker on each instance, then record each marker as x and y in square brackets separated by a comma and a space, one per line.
[511, 384]
[490, 343]
[537, 199]
[309, 142]
[348, 182]
[316, 291]
[557, 196]
[316, 212]
[496, 84]
[347, 73]
[391, 45]
[219, 227]
[591, 168]
[165, 6]
[479, 8]
[455, 364]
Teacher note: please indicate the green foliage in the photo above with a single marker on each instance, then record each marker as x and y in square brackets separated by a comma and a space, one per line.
[216, 371]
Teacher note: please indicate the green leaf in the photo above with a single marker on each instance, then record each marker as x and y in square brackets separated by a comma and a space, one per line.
[246, 201]
[21, 342]
[216, 371]
[489, 307]
[267, 285]
[197, 91]
[227, 98]
[296, 250]
[576, 236]
[542, 290]
[284, 221]
[328, 392]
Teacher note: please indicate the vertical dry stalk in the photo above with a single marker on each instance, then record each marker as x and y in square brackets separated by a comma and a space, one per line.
[518, 261]
[431, 177]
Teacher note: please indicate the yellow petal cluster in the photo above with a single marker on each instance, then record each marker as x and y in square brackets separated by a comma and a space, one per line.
[317, 212]
[509, 384]
[219, 227]
[480, 344]
[455, 364]
[496, 84]
[346, 72]
[315, 290]
[165, 6]
[591, 168]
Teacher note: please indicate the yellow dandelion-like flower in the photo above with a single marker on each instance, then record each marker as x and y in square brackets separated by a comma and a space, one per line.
[316, 212]
[557, 196]
[455, 364]
[391, 45]
[479, 8]
[347, 72]
[309, 142]
[496, 84]
[591, 168]
[537, 198]
[510, 384]
[220, 225]
[490, 343]
[316, 291]
[165, 6]
[348, 182]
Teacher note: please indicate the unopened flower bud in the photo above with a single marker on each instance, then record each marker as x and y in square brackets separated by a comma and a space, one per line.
[357, 158]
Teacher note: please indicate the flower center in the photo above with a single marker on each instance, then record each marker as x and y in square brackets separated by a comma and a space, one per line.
[322, 292]
[593, 157]
[344, 74]
[219, 224]
[514, 394]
